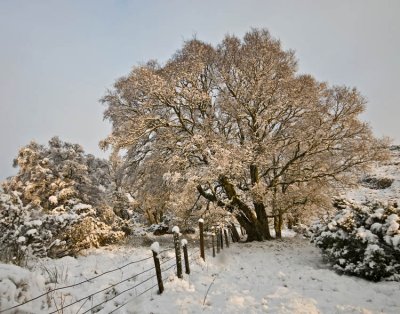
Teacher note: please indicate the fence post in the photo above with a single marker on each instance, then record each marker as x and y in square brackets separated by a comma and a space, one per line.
[226, 238]
[155, 247]
[218, 240]
[178, 256]
[213, 242]
[221, 238]
[201, 228]
[185, 255]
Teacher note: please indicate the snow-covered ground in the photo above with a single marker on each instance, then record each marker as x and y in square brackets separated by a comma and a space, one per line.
[274, 277]
[285, 276]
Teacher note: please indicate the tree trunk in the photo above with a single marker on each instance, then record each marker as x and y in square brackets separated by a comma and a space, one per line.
[255, 222]
[235, 233]
[246, 217]
[259, 206]
[253, 228]
[150, 216]
[289, 221]
[155, 215]
[278, 223]
[263, 220]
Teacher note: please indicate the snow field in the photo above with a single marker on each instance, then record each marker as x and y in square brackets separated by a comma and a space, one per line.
[272, 277]
[285, 276]
[70, 271]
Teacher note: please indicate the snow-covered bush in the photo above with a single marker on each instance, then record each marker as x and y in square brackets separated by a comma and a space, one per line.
[49, 176]
[27, 231]
[362, 240]
[159, 229]
[121, 204]
[57, 204]
[90, 232]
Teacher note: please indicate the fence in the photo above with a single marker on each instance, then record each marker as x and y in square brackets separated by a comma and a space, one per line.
[218, 235]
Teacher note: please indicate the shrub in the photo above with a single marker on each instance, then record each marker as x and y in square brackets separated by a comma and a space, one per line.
[377, 183]
[90, 232]
[27, 231]
[58, 203]
[362, 240]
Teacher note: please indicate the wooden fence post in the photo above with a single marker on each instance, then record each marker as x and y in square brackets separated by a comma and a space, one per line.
[185, 256]
[226, 238]
[213, 242]
[221, 238]
[218, 240]
[155, 247]
[201, 228]
[178, 256]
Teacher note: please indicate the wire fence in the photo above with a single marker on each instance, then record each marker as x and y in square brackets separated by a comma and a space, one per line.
[110, 290]
[152, 287]
[76, 284]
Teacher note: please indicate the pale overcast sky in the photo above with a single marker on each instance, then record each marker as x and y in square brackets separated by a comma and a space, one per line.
[57, 58]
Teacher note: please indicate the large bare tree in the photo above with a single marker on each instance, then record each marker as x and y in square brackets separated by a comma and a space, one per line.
[236, 125]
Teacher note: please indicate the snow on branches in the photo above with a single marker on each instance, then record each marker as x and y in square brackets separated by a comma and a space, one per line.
[56, 204]
[236, 125]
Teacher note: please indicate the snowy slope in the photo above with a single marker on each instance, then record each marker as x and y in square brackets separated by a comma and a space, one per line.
[270, 277]
[390, 170]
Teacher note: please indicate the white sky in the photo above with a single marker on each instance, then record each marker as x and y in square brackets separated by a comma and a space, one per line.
[57, 58]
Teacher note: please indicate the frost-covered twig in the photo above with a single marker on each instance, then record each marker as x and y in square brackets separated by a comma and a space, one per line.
[209, 287]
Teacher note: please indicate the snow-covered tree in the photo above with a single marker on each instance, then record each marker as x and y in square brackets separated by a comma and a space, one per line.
[51, 176]
[57, 203]
[238, 126]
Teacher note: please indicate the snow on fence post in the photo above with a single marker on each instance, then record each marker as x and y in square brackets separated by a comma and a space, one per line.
[155, 247]
[226, 238]
[178, 256]
[213, 242]
[218, 240]
[185, 255]
[201, 228]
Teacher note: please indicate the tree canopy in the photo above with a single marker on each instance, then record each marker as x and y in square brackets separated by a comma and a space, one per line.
[235, 127]
[51, 176]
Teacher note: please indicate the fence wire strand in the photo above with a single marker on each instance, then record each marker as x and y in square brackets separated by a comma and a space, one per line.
[143, 292]
[88, 297]
[109, 287]
[125, 303]
[107, 300]
[76, 284]
[118, 294]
